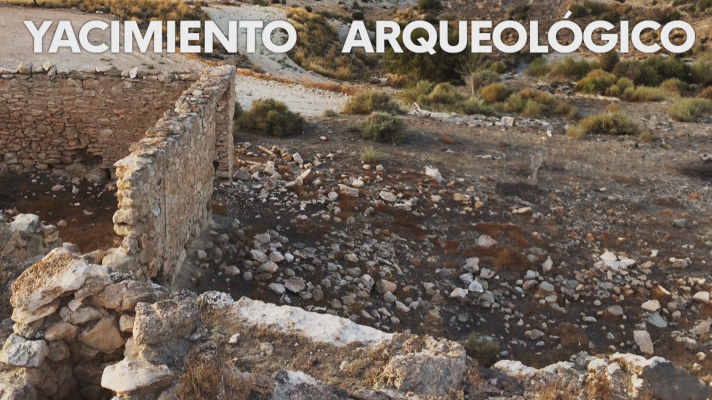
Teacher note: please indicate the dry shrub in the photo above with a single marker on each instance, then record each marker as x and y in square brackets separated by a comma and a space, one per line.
[370, 155]
[211, 381]
[674, 86]
[533, 103]
[644, 94]
[370, 101]
[495, 92]
[318, 48]
[538, 67]
[688, 110]
[385, 128]
[705, 94]
[446, 139]
[569, 68]
[607, 123]
[596, 82]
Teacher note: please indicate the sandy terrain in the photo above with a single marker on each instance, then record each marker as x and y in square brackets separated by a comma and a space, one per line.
[302, 99]
[16, 45]
[267, 62]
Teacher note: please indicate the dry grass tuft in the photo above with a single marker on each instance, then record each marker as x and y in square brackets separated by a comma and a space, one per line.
[211, 381]
[607, 123]
[371, 101]
[688, 110]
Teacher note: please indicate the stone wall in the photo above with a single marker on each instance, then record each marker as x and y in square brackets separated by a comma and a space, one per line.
[50, 120]
[165, 184]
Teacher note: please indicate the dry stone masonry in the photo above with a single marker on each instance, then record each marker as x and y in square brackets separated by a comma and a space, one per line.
[56, 120]
[165, 184]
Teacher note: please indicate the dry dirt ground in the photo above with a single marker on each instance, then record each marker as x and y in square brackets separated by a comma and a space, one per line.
[604, 194]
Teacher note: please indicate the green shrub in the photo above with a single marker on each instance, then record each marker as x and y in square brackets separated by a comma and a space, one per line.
[238, 111]
[703, 5]
[688, 110]
[572, 69]
[578, 10]
[538, 67]
[474, 106]
[644, 94]
[594, 8]
[609, 60]
[532, 103]
[596, 82]
[495, 92]
[384, 127]
[357, 16]
[498, 67]
[417, 93]
[702, 69]
[668, 68]
[365, 103]
[609, 123]
[272, 118]
[330, 113]
[427, 5]
[438, 67]
[610, 16]
[483, 78]
[483, 348]
[638, 72]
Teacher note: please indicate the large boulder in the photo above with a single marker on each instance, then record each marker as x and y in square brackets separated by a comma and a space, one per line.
[57, 274]
[132, 376]
[436, 367]
[165, 320]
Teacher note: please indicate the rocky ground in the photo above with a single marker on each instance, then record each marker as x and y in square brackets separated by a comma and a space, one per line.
[542, 244]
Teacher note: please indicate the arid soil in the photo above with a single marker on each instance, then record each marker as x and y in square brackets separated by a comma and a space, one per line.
[590, 197]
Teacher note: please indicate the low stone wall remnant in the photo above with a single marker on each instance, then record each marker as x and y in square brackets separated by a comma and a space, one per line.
[52, 120]
[165, 184]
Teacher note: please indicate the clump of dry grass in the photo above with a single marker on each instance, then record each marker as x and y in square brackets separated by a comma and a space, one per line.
[533, 103]
[211, 381]
[318, 48]
[370, 155]
[495, 92]
[688, 110]
[607, 123]
[369, 101]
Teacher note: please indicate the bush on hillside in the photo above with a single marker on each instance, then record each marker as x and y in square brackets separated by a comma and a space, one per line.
[609, 60]
[688, 110]
[495, 92]
[385, 128]
[596, 82]
[365, 103]
[609, 123]
[272, 118]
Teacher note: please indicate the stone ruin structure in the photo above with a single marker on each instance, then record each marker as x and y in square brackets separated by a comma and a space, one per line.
[104, 325]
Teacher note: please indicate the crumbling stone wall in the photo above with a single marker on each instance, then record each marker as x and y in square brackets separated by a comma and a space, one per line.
[165, 184]
[50, 120]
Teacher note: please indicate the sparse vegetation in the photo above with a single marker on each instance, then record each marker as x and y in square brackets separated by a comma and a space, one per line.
[702, 69]
[609, 60]
[370, 155]
[272, 118]
[384, 128]
[538, 67]
[211, 381]
[596, 82]
[318, 48]
[607, 123]
[569, 68]
[142, 11]
[427, 5]
[495, 92]
[644, 94]
[330, 113]
[533, 103]
[367, 102]
[483, 348]
[688, 110]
